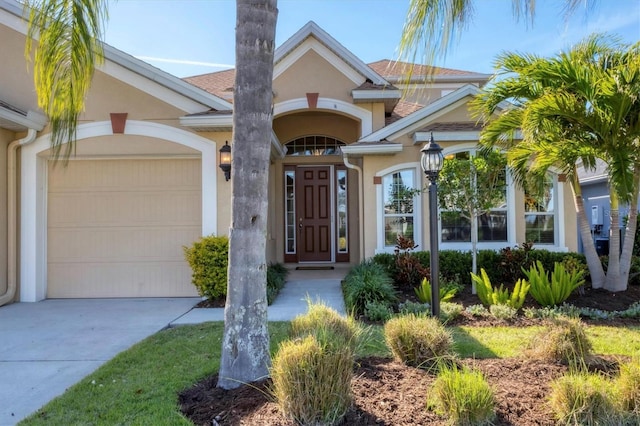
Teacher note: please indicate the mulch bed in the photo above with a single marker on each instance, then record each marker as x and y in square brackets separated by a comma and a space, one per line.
[389, 393]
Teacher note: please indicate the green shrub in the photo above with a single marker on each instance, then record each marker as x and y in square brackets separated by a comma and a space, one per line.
[423, 292]
[503, 312]
[555, 291]
[311, 382]
[324, 323]
[499, 296]
[581, 398]
[208, 258]
[627, 386]
[454, 264]
[414, 308]
[367, 282]
[418, 341]
[477, 310]
[564, 340]
[464, 396]
[450, 311]
[378, 311]
[387, 261]
[276, 278]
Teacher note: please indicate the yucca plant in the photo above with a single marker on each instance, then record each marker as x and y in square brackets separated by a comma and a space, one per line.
[499, 296]
[423, 292]
[464, 396]
[554, 291]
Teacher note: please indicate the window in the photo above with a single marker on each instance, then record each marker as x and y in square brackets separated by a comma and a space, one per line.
[290, 211]
[539, 208]
[342, 208]
[314, 146]
[398, 206]
[491, 226]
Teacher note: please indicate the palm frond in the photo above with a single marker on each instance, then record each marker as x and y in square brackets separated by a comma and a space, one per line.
[67, 51]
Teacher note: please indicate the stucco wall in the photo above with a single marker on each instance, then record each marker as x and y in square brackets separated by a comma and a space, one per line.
[292, 126]
[312, 74]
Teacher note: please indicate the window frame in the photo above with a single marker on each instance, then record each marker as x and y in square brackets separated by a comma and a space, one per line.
[417, 205]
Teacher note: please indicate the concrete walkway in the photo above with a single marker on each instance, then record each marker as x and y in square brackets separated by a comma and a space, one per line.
[48, 346]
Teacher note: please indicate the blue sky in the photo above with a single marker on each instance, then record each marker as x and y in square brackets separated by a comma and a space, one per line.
[202, 31]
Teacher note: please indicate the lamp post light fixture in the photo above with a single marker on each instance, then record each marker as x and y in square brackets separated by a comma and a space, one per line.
[431, 161]
[225, 160]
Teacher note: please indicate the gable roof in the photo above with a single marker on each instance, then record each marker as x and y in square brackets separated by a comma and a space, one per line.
[311, 29]
[219, 83]
[412, 121]
[396, 72]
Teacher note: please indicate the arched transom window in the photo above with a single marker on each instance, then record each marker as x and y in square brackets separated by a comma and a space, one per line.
[314, 146]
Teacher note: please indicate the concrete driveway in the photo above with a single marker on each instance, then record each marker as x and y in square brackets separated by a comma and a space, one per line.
[48, 346]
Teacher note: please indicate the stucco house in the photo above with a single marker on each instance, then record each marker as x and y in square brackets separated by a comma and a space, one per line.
[144, 179]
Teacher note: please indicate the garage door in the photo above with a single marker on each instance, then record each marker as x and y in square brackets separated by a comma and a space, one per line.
[116, 227]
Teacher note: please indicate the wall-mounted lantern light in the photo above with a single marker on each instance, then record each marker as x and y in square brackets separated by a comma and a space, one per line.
[225, 160]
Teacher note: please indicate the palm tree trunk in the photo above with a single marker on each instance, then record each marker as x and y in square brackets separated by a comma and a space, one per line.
[589, 248]
[245, 345]
[613, 282]
[630, 234]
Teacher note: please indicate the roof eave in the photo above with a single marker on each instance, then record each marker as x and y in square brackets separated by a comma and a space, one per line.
[372, 149]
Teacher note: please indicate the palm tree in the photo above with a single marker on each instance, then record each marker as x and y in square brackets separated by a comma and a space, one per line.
[66, 54]
[245, 346]
[575, 108]
[432, 26]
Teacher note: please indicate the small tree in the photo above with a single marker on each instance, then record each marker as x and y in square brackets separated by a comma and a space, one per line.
[472, 186]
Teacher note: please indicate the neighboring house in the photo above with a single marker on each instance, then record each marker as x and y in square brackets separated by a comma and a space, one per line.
[345, 147]
[595, 193]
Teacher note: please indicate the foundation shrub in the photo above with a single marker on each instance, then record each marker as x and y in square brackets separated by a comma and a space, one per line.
[311, 381]
[367, 282]
[208, 258]
[464, 396]
[418, 341]
[416, 308]
[387, 261]
[276, 278]
[563, 340]
[490, 261]
[556, 289]
[581, 398]
[454, 264]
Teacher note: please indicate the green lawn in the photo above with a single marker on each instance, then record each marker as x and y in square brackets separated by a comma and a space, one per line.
[140, 385]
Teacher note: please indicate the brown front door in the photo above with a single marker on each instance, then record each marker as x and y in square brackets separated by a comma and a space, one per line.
[313, 193]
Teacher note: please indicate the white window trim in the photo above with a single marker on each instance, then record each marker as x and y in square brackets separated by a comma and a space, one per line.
[417, 206]
[559, 235]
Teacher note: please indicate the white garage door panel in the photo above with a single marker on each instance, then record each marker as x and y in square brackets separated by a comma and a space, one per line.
[116, 228]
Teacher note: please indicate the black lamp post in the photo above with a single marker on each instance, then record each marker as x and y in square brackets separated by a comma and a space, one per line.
[225, 160]
[432, 161]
